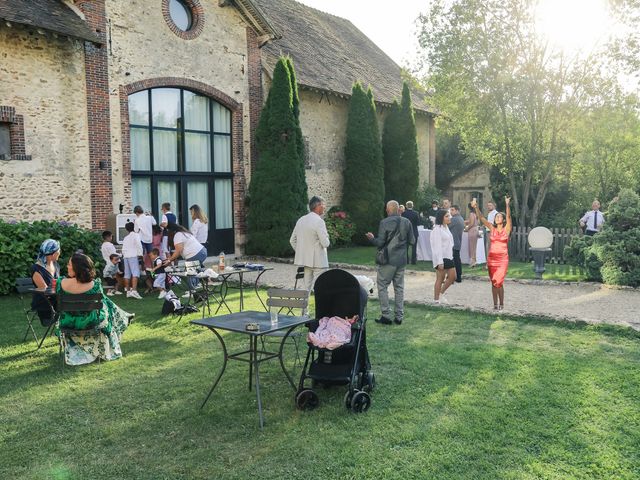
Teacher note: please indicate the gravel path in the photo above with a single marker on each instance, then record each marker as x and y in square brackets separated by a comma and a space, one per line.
[587, 302]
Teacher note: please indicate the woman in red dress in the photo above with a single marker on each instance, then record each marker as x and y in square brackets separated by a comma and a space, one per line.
[498, 260]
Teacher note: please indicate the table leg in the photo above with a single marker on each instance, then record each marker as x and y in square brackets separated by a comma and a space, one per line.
[255, 288]
[254, 347]
[252, 353]
[240, 276]
[224, 365]
[223, 294]
[284, 339]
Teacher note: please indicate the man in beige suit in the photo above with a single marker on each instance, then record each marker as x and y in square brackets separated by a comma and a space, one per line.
[310, 241]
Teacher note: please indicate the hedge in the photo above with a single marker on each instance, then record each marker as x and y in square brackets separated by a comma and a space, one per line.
[20, 242]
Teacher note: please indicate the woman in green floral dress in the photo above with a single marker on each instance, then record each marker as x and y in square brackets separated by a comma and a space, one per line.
[112, 321]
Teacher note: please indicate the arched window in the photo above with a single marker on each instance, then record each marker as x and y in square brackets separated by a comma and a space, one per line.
[181, 153]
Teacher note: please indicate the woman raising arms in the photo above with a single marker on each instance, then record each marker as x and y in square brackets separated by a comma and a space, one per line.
[498, 260]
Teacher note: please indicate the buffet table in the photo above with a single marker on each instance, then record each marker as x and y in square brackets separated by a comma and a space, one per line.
[424, 247]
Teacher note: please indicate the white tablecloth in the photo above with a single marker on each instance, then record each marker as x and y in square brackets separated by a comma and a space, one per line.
[424, 247]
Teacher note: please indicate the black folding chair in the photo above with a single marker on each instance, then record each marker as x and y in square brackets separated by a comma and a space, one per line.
[24, 286]
[80, 303]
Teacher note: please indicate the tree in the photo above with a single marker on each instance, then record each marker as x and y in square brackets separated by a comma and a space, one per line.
[278, 188]
[400, 151]
[510, 96]
[363, 191]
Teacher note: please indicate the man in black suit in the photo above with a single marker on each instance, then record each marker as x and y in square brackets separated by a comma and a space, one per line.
[414, 217]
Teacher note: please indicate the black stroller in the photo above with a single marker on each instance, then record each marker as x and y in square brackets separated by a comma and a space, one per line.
[338, 293]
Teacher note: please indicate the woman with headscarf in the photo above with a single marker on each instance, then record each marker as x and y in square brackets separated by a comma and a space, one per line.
[44, 274]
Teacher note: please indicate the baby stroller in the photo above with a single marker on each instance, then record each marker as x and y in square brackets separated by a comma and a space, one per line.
[338, 293]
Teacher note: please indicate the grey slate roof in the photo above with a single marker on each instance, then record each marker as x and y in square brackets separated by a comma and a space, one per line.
[51, 15]
[330, 53]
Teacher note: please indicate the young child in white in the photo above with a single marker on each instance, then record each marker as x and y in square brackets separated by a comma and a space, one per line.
[160, 277]
[131, 250]
[112, 275]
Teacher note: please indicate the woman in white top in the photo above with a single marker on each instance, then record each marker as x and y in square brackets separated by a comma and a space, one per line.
[200, 225]
[185, 246]
[442, 256]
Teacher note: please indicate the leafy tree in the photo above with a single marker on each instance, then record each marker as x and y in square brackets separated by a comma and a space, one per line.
[278, 189]
[363, 191]
[510, 97]
[400, 151]
[451, 157]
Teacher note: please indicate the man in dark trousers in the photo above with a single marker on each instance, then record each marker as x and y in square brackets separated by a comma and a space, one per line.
[414, 217]
[396, 234]
[456, 227]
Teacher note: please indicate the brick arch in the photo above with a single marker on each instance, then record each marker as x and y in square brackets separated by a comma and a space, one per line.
[239, 179]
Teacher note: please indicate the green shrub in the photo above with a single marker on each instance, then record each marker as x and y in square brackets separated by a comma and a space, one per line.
[613, 255]
[20, 242]
[340, 227]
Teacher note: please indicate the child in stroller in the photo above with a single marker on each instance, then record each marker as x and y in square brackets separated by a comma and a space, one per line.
[338, 294]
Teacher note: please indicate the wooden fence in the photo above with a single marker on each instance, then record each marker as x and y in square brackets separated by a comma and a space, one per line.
[519, 246]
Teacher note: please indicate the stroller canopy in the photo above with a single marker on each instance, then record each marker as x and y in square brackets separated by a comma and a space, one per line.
[339, 294]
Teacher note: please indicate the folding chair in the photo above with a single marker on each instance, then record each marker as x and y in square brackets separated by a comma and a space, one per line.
[286, 301]
[77, 303]
[23, 287]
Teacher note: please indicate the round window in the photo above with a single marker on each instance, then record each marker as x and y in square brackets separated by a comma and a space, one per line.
[181, 15]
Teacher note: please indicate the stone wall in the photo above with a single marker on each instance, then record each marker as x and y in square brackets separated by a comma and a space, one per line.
[43, 78]
[323, 119]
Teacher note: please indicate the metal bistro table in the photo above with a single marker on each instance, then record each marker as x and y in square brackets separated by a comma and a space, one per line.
[228, 272]
[237, 322]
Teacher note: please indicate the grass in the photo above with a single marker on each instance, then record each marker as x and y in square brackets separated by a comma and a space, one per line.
[520, 270]
[459, 395]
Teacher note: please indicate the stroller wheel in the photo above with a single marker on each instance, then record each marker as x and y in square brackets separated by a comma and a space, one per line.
[307, 399]
[360, 402]
[347, 399]
[370, 382]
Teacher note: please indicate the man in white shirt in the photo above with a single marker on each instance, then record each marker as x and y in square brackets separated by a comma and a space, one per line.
[310, 240]
[491, 212]
[593, 220]
[144, 227]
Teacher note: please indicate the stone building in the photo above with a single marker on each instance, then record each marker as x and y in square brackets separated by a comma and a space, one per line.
[106, 103]
[471, 182]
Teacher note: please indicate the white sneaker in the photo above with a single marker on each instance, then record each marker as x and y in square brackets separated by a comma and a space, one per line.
[162, 294]
[110, 293]
[134, 294]
[436, 302]
[129, 293]
[443, 299]
[186, 295]
[117, 292]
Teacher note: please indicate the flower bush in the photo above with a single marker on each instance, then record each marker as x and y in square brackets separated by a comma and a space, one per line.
[340, 227]
[20, 241]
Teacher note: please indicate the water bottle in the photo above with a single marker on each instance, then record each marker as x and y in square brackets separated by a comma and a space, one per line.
[273, 313]
[221, 261]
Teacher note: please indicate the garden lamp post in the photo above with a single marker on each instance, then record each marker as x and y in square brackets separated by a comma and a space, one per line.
[540, 241]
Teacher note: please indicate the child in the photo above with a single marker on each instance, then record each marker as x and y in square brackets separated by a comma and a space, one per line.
[157, 241]
[112, 275]
[107, 248]
[131, 250]
[157, 272]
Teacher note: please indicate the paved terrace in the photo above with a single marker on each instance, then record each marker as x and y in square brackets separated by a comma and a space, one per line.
[586, 302]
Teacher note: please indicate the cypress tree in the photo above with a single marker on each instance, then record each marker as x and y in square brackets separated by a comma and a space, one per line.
[278, 189]
[400, 151]
[363, 191]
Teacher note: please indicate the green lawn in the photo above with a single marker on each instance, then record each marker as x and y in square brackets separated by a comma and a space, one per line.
[459, 395]
[522, 270]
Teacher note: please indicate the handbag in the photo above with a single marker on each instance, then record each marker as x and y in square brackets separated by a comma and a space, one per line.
[382, 255]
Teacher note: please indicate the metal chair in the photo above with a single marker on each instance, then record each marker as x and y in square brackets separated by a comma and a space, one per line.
[286, 301]
[24, 286]
[77, 303]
